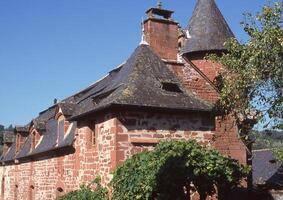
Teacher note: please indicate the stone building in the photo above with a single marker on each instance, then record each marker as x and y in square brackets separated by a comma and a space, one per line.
[165, 90]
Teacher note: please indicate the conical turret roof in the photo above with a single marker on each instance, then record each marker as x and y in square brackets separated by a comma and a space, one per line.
[207, 29]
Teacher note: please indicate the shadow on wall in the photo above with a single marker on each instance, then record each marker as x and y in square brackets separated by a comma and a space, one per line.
[171, 121]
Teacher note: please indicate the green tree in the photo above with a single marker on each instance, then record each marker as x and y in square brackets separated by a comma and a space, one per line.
[172, 170]
[10, 128]
[1, 128]
[87, 193]
[251, 85]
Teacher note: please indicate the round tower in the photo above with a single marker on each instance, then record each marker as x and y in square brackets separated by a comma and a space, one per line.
[207, 33]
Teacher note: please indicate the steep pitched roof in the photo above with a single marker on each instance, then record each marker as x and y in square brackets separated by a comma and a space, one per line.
[207, 28]
[8, 136]
[9, 156]
[145, 81]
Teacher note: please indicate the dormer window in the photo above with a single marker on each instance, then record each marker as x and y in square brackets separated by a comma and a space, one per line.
[62, 125]
[35, 139]
[171, 87]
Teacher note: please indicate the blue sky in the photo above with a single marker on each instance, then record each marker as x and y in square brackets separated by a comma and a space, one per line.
[54, 48]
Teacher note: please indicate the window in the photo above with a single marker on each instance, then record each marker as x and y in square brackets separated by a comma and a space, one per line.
[35, 137]
[31, 193]
[171, 87]
[16, 192]
[33, 142]
[59, 192]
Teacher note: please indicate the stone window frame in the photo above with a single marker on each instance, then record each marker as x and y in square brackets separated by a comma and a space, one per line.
[31, 192]
[16, 191]
[60, 117]
[35, 138]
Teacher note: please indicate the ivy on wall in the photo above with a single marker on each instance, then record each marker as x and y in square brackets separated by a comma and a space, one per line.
[172, 170]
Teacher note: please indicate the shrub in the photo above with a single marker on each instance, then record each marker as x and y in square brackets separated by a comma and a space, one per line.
[169, 171]
[87, 193]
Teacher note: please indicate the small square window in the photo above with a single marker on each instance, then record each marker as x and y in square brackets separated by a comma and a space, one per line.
[171, 87]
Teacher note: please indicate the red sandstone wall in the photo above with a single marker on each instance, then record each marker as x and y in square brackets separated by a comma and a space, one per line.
[138, 131]
[162, 36]
[116, 140]
[226, 137]
[67, 172]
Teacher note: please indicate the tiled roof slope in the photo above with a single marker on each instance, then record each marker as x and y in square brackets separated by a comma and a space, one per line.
[267, 171]
[138, 83]
[9, 156]
[141, 82]
[207, 28]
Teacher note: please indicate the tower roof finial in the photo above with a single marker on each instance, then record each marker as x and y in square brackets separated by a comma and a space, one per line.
[159, 4]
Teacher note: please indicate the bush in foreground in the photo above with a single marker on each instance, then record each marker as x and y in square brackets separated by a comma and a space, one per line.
[87, 193]
[172, 170]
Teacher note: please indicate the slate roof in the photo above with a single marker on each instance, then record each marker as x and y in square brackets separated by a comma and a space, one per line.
[22, 129]
[207, 28]
[138, 83]
[10, 155]
[26, 148]
[8, 137]
[143, 81]
[48, 141]
[266, 170]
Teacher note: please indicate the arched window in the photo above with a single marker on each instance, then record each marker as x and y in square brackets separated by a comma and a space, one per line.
[16, 192]
[31, 193]
[59, 192]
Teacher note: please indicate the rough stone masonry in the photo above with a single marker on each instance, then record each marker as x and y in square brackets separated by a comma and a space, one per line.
[165, 90]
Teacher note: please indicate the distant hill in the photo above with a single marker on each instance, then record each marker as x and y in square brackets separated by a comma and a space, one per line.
[268, 139]
[2, 128]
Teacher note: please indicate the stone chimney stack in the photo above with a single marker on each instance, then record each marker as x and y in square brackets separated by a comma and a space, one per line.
[161, 32]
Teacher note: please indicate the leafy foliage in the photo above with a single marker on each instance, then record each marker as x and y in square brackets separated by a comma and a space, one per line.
[1, 128]
[169, 171]
[270, 139]
[87, 193]
[251, 85]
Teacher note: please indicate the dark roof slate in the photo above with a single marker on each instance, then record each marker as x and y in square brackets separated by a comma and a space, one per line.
[67, 108]
[22, 129]
[48, 141]
[138, 82]
[10, 155]
[207, 28]
[266, 170]
[8, 137]
[26, 148]
[49, 138]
